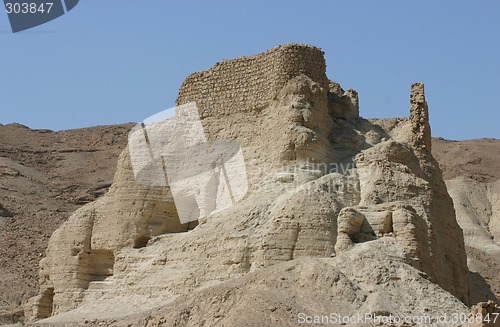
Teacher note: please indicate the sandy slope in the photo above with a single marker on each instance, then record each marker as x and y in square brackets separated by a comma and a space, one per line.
[44, 176]
[471, 169]
[369, 279]
[475, 159]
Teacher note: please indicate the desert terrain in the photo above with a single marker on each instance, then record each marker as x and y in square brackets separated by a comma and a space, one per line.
[411, 228]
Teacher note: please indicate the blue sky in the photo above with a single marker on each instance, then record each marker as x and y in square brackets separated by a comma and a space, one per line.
[116, 61]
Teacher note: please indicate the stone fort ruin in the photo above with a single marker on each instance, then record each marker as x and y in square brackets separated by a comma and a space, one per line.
[288, 118]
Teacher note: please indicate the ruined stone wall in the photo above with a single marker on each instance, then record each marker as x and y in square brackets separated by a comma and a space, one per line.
[247, 83]
[130, 240]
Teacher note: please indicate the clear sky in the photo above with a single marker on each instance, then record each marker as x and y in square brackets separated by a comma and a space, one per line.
[116, 61]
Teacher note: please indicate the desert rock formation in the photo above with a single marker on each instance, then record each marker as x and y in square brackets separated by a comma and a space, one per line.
[357, 206]
[472, 178]
[44, 177]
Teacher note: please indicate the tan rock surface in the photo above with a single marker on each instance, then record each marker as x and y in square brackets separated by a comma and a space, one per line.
[309, 156]
[473, 159]
[369, 279]
[44, 177]
[477, 209]
[471, 169]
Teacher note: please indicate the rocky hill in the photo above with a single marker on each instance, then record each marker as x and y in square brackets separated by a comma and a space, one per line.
[472, 159]
[472, 172]
[341, 214]
[44, 177]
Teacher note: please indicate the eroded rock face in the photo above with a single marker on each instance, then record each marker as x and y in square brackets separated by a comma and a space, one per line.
[321, 180]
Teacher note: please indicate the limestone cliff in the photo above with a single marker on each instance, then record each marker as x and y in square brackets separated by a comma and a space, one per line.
[322, 180]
